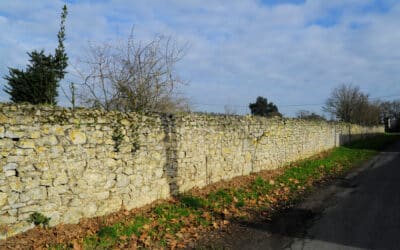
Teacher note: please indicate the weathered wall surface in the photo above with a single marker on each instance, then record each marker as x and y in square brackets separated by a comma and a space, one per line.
[68, 165]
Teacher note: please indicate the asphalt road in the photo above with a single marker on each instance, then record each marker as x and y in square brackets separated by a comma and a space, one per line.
[360, 211]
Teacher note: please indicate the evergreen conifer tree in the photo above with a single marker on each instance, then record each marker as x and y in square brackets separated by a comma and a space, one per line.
[39, 82]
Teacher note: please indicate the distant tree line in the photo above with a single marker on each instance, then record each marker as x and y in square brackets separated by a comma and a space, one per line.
[308, 115]
[346, 103]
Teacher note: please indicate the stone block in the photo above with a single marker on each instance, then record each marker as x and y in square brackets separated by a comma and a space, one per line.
[122, 180]
[10, 173]
[77, 136]
[39, 193]
[2, 130]
[72, 215]
[61, 179]
[3, 199]
[10, 166]
[26, 143]
[109, 206]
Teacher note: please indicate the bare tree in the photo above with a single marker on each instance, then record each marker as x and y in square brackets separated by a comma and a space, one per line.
[368, 113]
[390, 109]
[132, 75]
[347, 103]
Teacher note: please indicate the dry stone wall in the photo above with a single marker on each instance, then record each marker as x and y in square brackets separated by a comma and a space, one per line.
[71, 164]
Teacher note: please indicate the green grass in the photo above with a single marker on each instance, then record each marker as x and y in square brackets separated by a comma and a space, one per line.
[193, 202]
[190, 211]
[220, 198]
[108, 236]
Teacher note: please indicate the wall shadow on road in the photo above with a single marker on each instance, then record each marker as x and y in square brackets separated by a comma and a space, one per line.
[289, 222]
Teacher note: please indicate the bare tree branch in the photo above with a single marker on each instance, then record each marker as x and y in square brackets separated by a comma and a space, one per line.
[133, 76]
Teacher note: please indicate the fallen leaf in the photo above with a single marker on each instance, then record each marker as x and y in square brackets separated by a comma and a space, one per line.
[169, 236]
[181, 245]
[225, 212]
[172, 244]
[179, 235]
[123, 237]
[76, 245]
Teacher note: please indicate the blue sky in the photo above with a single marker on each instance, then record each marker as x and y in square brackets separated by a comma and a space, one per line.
[293, 52]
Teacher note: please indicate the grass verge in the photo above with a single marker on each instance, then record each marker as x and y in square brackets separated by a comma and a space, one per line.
[176, 223]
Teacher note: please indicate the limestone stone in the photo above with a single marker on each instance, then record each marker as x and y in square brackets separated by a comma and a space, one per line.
[109, 163]
[39, 193]
[58, 130]
[93, 178]
[6, 144]
[56, 191]
[125, 122]
[16, 159]
[3, 199]
[41, 165]
[102, 195]
[96, 137]
[122, 180]
[90, 209]
[76, 202]
[55, 217]
[46, 182]
[17, 205]
[7, 219]
[10, 166]
[129, 170]
[49, 140]
[32, 183]
[14, 134]
[10, 173]
[49, 207]
[61, 179]
[28, 209]
[77, 137]
[34, 134]
[112, 205]
[109, 183]
[102, 120]
[13, 197]
[4, 119]
[247, 157]
[41, 149]
[72, 215]
[2, 130]
[26, 143]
